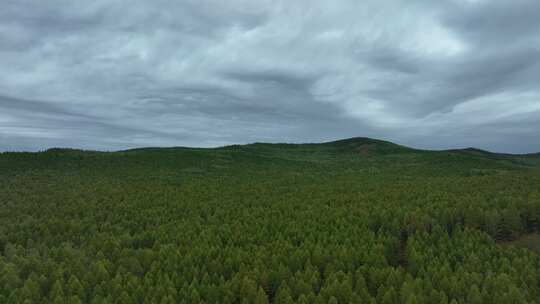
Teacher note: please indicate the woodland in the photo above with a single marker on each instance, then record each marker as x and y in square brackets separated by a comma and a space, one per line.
[350, 221]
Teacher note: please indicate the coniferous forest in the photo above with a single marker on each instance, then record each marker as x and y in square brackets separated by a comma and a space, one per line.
[351, 221]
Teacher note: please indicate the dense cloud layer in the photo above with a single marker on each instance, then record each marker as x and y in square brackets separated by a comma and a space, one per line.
[119, 74]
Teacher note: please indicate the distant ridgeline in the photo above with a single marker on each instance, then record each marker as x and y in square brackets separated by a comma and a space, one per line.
[350, 221]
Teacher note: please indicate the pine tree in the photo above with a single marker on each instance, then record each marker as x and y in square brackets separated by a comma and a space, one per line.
[166, 300]
[98, 299]
[75, 288]
[194, 297]
[124, 298]
[474, 296]
[30, 291]
[99, 273]
[57, 292]
[283, 295]
[302, 299]
[9, 277]
[514, 296]
[261, 297]
[248, 289]
[74, 300]
[412, 300]
[390, 296]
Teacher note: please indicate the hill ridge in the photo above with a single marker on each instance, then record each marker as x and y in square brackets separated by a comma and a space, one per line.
[351, 142]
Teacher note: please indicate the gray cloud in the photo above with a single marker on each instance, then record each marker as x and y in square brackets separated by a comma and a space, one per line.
[121, 74]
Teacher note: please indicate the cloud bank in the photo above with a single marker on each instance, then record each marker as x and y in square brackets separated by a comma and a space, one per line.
[121, 74]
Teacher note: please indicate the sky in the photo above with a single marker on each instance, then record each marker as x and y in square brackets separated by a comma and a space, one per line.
[112, 74]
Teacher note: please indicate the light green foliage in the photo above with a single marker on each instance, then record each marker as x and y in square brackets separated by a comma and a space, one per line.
[353, 221]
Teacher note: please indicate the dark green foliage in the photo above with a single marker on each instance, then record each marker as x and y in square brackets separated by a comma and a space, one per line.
[352, 221]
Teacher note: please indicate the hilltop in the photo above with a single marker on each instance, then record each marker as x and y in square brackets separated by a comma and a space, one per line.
[358, 153]
[361, 145]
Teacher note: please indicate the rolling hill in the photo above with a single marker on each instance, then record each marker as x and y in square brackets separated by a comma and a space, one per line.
[358, 220]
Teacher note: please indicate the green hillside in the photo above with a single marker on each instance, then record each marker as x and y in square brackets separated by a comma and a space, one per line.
[351, 221]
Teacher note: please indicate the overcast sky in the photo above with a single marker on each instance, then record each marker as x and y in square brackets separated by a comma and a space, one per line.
[113, 75]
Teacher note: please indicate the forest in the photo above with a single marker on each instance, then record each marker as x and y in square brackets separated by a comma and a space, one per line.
[350, 221]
